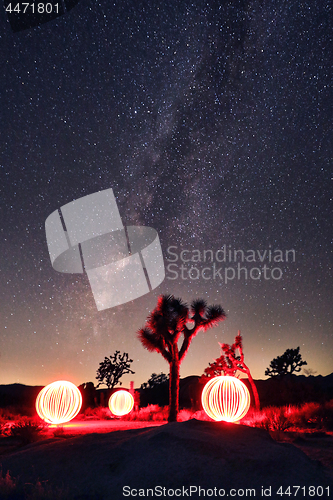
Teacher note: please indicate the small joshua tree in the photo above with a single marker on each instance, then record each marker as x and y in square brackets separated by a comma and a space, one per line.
[290, 361]
[113, 368]
[228, 364]
[163, 329]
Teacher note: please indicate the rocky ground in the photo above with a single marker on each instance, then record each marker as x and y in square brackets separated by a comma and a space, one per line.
[222, 459]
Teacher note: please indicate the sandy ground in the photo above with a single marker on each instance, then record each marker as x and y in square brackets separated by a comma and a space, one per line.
[102, 426]
[182, 457]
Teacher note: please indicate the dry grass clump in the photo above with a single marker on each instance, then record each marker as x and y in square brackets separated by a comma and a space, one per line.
[99, 413]
[185, 415]
[307, 416]
[150, 413]
[201, 415]
[7, 417]
[28, 430]
[9, 413]
[59, 432]
[314, 416]
[271, 418]
[13, 489]
[7, 485]
[156, 413]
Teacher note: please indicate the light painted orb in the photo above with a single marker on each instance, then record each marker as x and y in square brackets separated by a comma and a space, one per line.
[121, 403]
[59, 402]
[225, 398]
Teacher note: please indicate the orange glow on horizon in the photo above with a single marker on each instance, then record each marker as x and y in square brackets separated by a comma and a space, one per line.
[58, 402]
[121, 403]
[225, 398]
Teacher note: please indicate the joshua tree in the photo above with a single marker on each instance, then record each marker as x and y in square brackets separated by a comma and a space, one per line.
[290, 361]
[113, 368]
[228, 364]
[163, 329]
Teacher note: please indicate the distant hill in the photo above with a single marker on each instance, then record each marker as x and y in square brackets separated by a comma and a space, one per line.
[294, 389]
[19, 395]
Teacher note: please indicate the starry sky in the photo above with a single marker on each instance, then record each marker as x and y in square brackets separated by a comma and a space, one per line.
[211, 122]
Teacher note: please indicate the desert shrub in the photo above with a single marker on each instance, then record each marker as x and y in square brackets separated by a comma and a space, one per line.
[184, 415]
[7, 416]
[255, 418]
[314, 416]
[10, 413]
[161, 414]
[7, 485]
[148, 413]
[27, 430]
[59, 431]
[5, 428]
[99, 413]
[271, 418]
[42, 491]
[14, 489]
[328, 415]
[306, 415]
[201, 415]
[278, 419]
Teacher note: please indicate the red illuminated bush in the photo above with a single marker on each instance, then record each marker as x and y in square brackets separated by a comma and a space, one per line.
[27, 430]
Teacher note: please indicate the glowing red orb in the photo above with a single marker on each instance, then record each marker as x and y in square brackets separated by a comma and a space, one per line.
[58, 402]
[121, 403]
[225, 398]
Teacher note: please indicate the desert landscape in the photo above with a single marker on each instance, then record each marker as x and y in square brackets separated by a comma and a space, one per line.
[275, 452]
[114, 459]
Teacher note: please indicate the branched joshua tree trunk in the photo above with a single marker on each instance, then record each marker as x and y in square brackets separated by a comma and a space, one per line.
[242, 367]
[163, 329]
[174, 386]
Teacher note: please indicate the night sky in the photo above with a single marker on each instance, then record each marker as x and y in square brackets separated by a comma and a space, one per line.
[211, 122]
